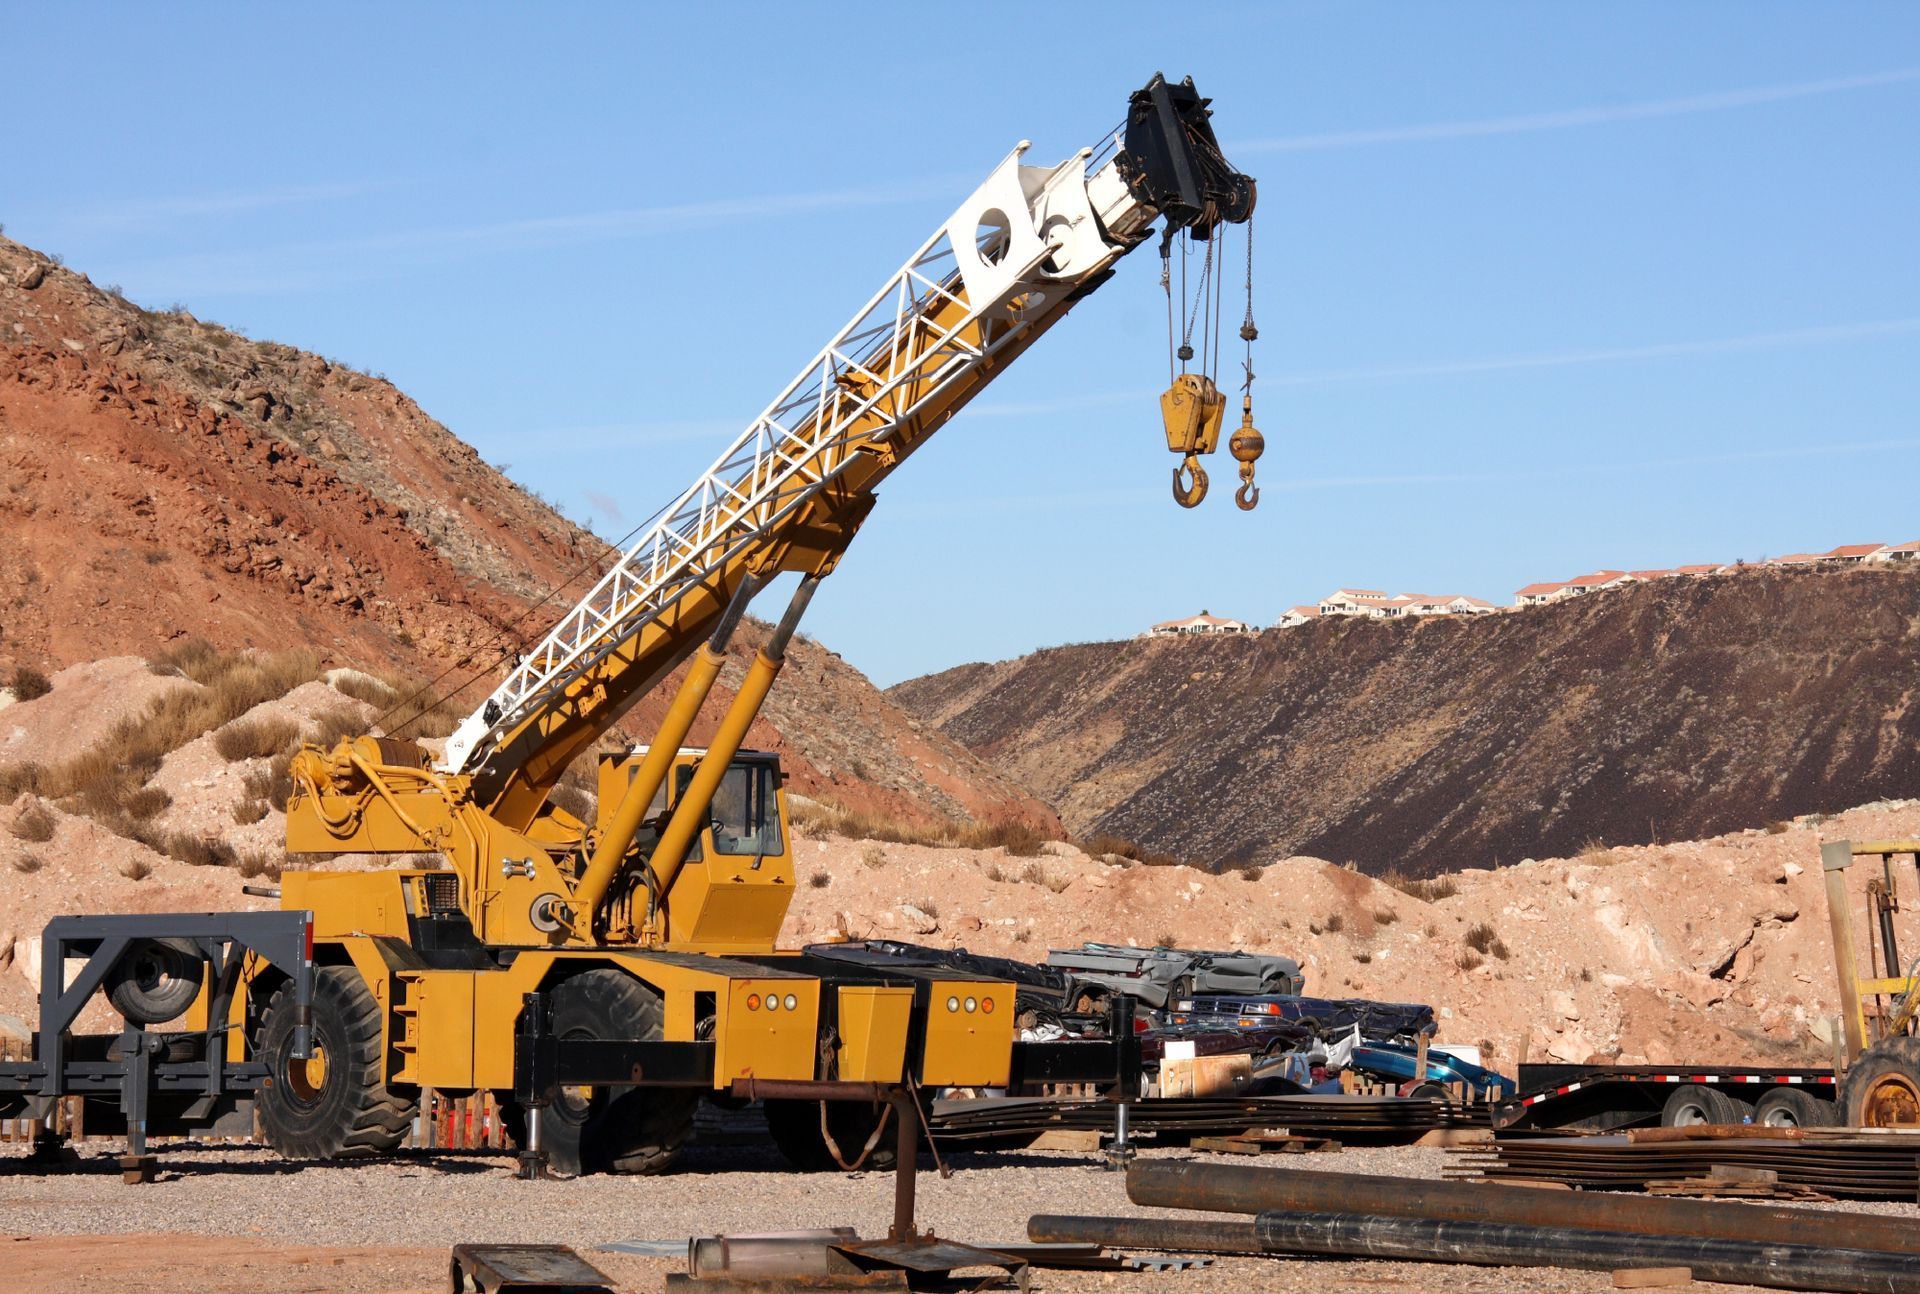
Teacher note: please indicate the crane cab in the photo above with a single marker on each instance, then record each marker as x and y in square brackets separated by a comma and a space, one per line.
[732, 891]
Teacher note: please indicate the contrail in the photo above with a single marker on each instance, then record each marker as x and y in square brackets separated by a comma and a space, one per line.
[1570, 117]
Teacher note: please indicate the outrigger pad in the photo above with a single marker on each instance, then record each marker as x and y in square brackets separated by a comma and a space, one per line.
[525, 1269]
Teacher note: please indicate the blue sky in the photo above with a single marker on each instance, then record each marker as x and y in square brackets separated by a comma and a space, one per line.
[1541, 288]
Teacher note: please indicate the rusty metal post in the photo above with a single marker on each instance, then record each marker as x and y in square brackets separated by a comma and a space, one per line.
[1836, 856]
[906, 1162]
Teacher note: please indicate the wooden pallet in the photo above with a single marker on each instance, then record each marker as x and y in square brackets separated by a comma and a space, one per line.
[1263, 1141]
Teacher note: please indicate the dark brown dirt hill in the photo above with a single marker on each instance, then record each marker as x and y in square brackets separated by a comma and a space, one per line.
[162, 477]
[1668, 711]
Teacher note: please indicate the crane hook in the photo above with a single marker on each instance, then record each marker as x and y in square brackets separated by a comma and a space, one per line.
[1246, 445]
[1189, 494]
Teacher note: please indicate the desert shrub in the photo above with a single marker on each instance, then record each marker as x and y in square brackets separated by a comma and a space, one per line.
[195, 659]
[34, 825]
[993, 872]
[1102, 844]
[274, 783]
[258, 863]
[873, 856]
[1021, 935]
[1167, 939]
[1335, 922]
[1035, 874]
[334, 725]
[254, 738]
[1363, 956]
[1468, 960]
[820, 880]
[27, 863]
[1778, 828]
[1482, 938]
[197, 851]
[28, 684]
[572, 799]
[815, 818]
[363, 687]
[1251, 872]
[147, 802]
[18, 779]
[1428, 889]
[419, 713]
[1385, 916]
[1596, 853]
[250, 810]
[928, 905]
[135, 869]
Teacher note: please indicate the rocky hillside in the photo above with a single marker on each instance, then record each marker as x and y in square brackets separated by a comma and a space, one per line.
[162, 477]
[1666, 711]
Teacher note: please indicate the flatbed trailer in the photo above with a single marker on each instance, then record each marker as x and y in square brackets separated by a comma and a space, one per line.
[1602, 1098]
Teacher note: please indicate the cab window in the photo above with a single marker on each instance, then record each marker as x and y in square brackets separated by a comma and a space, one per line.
[745, 814]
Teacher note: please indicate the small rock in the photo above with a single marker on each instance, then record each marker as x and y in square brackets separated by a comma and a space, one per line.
[35, 275]
[922, 923]
[72, 344]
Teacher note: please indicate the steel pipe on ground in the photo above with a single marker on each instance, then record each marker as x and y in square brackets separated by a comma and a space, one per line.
[1236, 1188]
[1352, 1235]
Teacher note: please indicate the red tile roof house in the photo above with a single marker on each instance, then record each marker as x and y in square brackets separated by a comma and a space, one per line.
[1796, 559]
[1643, 577]
[1700, 570]
[1353, 602]
[1204, 623]
[1852, 552]
[1906, 552]
[1539, 595]
[1598, 580]
[1296, 616]
[1450, 604]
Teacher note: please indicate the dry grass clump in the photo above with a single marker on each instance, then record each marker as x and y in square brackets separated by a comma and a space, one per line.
[35, 825]
[251, 810]
[820, 880]
[363, 687]
[135, 869]
[1468, 960]
[1596, 853]
[419, 713]
[873, 856]
[28, 684]
[257, 862]
[815, 818]
[1779, 828]
[1335, 923]
[1428, 889]
[332, 726]
[194, 851]
[1022, 935]
[1363, 956]
[108, 782]
[147, 802]
[27, 863]
[1482, 938]
[928, 905]
[1385, 916]
[1252, 872]
[254, 738]
[1035, 874]
[1103, 845]
[274, 783]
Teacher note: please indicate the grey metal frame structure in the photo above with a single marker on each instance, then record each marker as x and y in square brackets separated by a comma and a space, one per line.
[207, 1083]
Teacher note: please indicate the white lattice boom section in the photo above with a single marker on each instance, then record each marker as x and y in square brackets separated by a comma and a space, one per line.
[1018, 247]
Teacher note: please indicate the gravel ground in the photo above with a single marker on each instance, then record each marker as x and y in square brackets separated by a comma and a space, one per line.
[413, 1207]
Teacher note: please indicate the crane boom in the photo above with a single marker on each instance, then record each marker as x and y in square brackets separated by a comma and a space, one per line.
[790, 490]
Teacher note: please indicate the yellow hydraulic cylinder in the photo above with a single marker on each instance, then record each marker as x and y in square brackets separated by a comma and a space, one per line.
[690, 813]
[614, 842]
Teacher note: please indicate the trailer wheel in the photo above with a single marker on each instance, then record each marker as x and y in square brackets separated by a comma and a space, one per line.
[795, 1127]
[155, 980]
[337, 1104]
[1693, 1104]
[1795, 1107]
[610, 1129]
[1883, 1087]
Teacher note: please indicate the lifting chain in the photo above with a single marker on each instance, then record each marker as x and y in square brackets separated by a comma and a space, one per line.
[1192, 407]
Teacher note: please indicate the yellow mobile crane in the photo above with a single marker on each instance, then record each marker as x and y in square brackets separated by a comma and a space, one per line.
[629, 964]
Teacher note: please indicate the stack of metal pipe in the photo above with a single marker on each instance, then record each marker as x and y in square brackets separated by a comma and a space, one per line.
[1304, 1212]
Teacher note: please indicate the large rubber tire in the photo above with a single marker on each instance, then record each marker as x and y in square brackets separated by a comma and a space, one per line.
[155, 980]
[1883, 1086]
[1795, 1107]
[337, 1105]
[1693, 1104]
[612, 1129]
[795, 1126]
